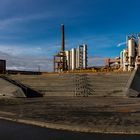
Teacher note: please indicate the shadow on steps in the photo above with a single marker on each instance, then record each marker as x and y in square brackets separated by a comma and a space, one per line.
[29, 93]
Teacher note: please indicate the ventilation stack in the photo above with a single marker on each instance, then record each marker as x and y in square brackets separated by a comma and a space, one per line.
[63, 37]
[60, 62]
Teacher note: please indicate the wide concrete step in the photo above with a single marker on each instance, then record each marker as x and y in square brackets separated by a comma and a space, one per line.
[53, 85]
[94, 92]
[58, 93]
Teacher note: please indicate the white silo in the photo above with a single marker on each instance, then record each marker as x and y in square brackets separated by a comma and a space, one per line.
[131, 53]
[84, 56]
[73, 58]
[121, 59]
[125, 61]
[131, 47]
[77, 56]
[68, 59]
[138, 47]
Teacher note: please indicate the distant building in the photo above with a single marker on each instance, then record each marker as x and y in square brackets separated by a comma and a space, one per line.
[76, 58]
[2, 66]
[130, 56]
[67, 60]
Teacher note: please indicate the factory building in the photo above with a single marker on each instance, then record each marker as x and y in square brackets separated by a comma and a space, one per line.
[76, 58]
[2, 66]
[130, 57]
[70, 60]
[60, 63]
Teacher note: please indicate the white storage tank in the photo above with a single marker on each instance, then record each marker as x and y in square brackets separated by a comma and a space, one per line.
[125, 61]
[77, 57]
[139, 47]
[70, 67]
[68, 59]
[73, 57]
[121, 58]
[124, 56]
[84, 56]
[131, 47]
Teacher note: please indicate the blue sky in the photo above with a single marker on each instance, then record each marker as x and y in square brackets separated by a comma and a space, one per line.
[30, 29]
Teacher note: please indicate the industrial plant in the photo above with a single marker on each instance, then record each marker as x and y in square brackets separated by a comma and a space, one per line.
[70, 60]
[129, 58]
[77, 58]
[108, 87]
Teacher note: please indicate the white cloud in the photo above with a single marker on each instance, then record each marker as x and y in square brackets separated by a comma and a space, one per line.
[27, 63]
[8, 22]
[22, 50]
[121, 44]
[39, 51]
[16, 68]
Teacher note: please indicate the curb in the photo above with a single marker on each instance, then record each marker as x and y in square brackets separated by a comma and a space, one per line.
[67, 127]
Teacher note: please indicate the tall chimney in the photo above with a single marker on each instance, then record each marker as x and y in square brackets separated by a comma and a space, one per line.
[63, 38]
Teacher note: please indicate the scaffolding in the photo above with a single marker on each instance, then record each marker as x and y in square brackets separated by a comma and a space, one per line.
[60, 63]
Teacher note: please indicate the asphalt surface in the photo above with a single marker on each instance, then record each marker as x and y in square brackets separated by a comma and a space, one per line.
[15, 131]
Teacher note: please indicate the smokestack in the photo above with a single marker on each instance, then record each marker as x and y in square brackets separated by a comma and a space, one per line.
[63, 37]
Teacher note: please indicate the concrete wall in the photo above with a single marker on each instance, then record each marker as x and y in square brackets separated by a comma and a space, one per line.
[10, 90]
[133, 85]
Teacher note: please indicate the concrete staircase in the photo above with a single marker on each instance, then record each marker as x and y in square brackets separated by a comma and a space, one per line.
[109, 84]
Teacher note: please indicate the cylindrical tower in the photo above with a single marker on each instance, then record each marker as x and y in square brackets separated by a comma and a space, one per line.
[138, 53]
[68, 59]
[131, 53]
[63, 37]
[121, 59]
[125, 61]
[73, 55]
[131, 47]
[84, 56]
